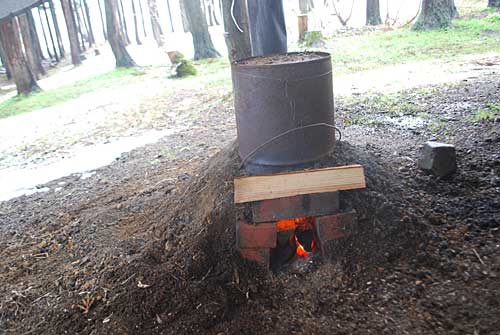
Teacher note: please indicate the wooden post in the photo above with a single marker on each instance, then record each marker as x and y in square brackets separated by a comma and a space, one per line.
[303, 26]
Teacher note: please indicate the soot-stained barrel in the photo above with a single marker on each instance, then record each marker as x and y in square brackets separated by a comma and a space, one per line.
[276, 98]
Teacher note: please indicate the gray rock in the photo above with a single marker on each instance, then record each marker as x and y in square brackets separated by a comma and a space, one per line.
[438, 158]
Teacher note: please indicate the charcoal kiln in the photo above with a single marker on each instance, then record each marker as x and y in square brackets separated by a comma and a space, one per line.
[285, 120]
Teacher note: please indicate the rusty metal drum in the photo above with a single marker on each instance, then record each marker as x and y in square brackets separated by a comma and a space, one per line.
[284, 108]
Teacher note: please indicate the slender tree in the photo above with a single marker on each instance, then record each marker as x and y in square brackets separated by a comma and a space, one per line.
[5, 64]
[494, 3]
[237, 37]
[21, 73]
[136, 26]
[78, 21]
[124, 22]
[170, 16]
[142, 18]
[34, 35]
[185, 24]
[33, 61]
[203, 46]
[155, 22]
[436, 14]
[60, 44]
[49, 53]
[89, 21]
[72, 32]
[373, 13]
[115, 38]
[54, 48]
[104, 33]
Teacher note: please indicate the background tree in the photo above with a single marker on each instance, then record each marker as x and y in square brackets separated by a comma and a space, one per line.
[72, 33]
[373, 13]
[21, 73]
[494, 3]
[343, 20]
[155, 22]
[51, 35]
[115, 37]
[436, 14]
[34, 37]
[102, 21]
[89, 22]
[142, 18]
[31, 56]
[203, 46]
[170, 16]
[121, 11]
[5, 64]
[136, 26]
[237, 37]
[62, 52]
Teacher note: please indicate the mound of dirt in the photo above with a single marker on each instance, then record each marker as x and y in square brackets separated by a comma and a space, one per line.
[191, 279]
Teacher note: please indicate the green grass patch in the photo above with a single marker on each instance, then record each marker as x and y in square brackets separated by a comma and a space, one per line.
[487, 114]
[468, 36]
[22, 104]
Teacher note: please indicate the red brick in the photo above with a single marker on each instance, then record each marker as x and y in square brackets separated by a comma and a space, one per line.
[259, 256]
[295, 207]
[262, 235]
[334, 227]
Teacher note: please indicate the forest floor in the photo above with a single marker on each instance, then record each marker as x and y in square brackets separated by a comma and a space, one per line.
[145, 244]
[84, 258]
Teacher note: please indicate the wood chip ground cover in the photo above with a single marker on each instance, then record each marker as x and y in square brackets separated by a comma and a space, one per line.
[148, 248]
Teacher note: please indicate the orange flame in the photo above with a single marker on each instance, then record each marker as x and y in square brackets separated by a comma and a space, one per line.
[301, 251]
[299, 224]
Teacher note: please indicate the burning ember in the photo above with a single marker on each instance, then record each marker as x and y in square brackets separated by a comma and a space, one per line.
[303, 237]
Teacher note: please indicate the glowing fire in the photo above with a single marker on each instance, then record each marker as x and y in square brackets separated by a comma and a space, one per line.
[299, 225]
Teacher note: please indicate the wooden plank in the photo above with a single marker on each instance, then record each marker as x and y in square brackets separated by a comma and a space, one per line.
[276, 186]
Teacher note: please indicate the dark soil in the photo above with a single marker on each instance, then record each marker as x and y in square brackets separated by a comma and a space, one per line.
[144, 248]
[292, 57]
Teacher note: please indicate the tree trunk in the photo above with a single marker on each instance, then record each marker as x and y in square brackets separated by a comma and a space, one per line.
[494, 3]
[34, 37]
[304, 6]
[155, 22]
[170, 16]
[44, 34]
[78, 23]
[373, 13]
[3, 58]
[203, 46]
[104, 33]
[60, 44]
[85, 26]
[185, 24]
[33, 61]
[124, 22]
[21, 73]
[214, 14]
[238, 43]
[136, 26]
[115, 38]
[142, 18]
[436, 14]
[89, 22]
[72, 33]
[50, 33]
